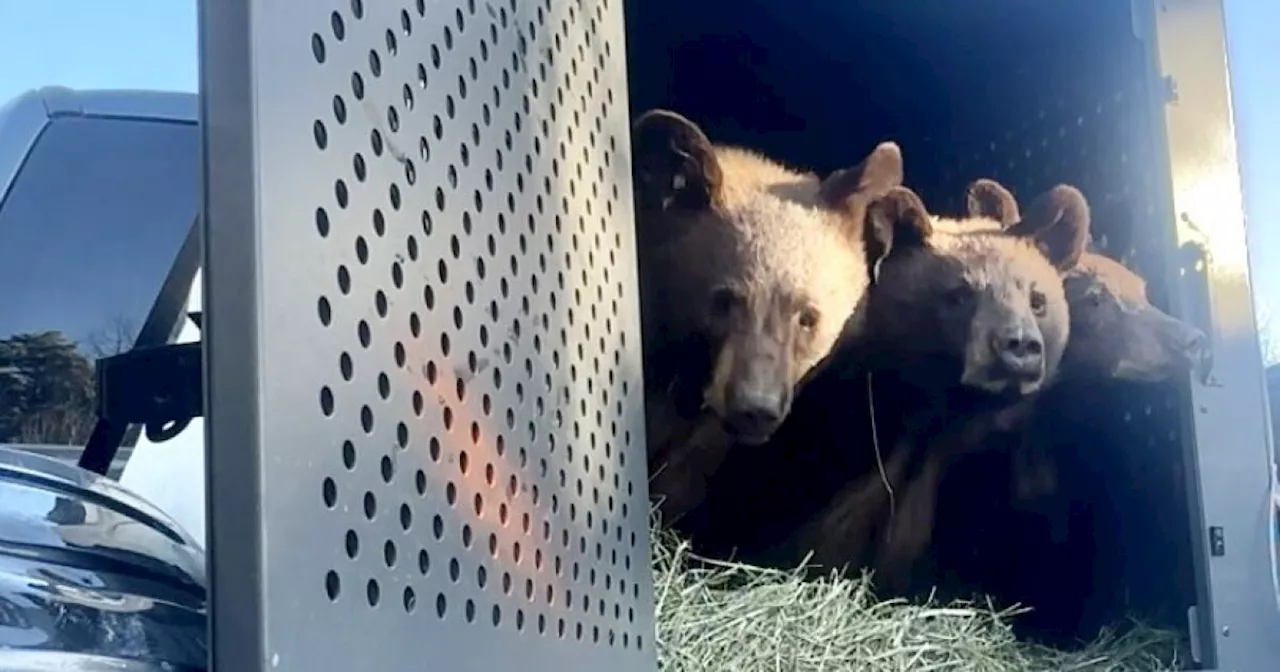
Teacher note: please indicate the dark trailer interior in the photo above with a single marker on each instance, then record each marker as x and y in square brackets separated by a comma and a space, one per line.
[1031, 94]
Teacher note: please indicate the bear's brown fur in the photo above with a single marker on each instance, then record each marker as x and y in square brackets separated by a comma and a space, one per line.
[965, 322]
[748, 271]
[761, 496]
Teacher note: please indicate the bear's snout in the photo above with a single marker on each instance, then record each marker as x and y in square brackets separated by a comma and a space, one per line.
[1191, 343]
[752, 413]
[1019, 352]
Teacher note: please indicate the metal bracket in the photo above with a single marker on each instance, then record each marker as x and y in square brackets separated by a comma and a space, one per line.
[152, 387]
[163, 324]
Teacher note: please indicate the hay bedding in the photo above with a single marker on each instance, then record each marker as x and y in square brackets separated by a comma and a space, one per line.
[724, 617]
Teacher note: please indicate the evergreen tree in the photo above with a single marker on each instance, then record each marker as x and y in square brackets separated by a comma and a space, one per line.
[47, 390]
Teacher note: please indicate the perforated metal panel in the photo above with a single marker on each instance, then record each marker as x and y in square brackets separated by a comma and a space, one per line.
[425, 407]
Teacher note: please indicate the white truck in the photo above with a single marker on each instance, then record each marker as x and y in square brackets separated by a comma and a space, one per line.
[98, 193]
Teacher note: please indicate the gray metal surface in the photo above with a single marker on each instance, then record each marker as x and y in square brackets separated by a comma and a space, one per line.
[425, 411]
[1231, 428]
[23, 118]
[121, 103]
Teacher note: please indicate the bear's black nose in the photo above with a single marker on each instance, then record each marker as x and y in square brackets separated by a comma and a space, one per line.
[752, 416]
[1019, 351]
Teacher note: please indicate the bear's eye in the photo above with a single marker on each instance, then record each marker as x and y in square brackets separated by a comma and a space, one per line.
[724, 300]
[807, 319]
[958, 297]
[1038, 303]
[1094, 298]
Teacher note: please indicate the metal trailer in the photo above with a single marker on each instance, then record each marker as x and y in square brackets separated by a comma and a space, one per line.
[423, 368]
[423, 381]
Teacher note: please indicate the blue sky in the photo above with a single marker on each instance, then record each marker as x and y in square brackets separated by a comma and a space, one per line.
[147, 44]
[93, 43]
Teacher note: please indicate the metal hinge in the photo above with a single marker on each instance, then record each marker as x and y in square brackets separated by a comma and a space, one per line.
[1217, 541]
[1170, 86]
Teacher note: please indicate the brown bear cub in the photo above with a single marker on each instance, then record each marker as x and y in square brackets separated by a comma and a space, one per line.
[748, 270]
[955, 300]
[964, 322]
[1115, 331]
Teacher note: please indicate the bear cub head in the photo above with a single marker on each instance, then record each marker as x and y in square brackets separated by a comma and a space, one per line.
[757, 263]
[969, 302]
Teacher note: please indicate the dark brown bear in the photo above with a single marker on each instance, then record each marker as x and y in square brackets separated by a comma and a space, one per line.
[748, 271]
[963, 324]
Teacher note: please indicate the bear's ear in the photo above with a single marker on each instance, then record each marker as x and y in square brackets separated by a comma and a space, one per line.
[1058, 222]
[872, 178]
[674, 163]
[989, 199]
[897, 220]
